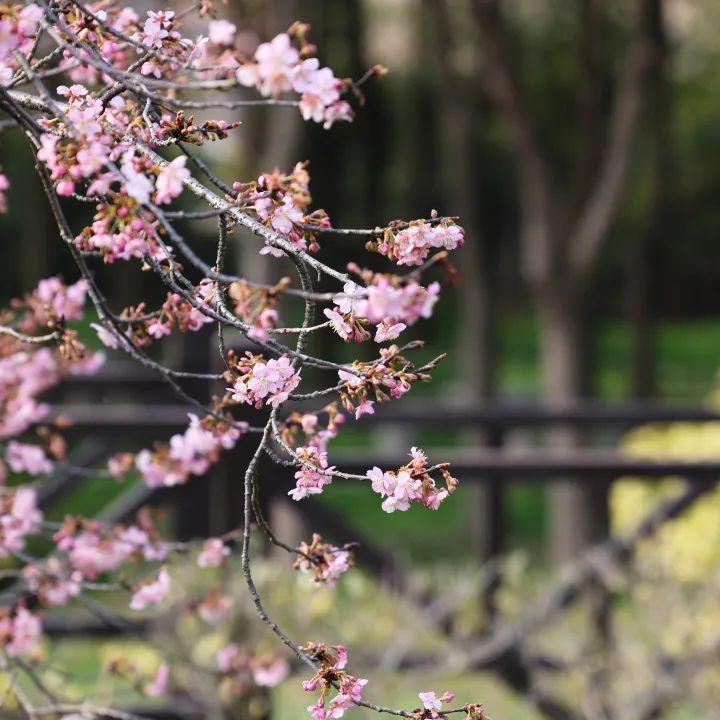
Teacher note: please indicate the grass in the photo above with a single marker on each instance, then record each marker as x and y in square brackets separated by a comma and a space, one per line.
[687, 357]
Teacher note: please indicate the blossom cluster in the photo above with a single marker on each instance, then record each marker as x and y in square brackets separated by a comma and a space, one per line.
[313, 474]
[176, 311]
[331, 675]
[282, 201]
[92, 548]
[187, 454]
[18, 29]
[85, 549]
[151, 592]
[363, 384]
[20, 631]
[213, 608]
[53, 582]
[144, 327]
[257, 306]
[242, 668]
[19, 517]
[28, 370]
[411, 483]
[412, 244]
[432, 704]
[120, 231]
[278, 67]
[327, 562]
[30, 459]
[159, 31]
[180, 128]
[309, 436]
[388, 302]
[314, 429]
[112, 19]
[259, 382]
[93, 148]
[213, 553]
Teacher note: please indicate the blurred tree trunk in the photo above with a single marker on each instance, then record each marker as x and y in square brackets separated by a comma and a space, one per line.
[643, 252]
[563, 230]
[578, 513]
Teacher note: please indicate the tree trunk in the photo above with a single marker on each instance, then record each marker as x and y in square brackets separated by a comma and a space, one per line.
[578, 512]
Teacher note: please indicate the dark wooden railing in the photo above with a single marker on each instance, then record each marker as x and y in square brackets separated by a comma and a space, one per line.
[125, 405]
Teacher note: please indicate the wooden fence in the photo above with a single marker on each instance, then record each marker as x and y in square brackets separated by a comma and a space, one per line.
[126, 405]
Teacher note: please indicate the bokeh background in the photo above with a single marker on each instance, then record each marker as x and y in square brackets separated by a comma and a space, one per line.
[486, 107]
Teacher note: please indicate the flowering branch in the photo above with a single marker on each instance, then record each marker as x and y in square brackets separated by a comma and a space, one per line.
[98, 140]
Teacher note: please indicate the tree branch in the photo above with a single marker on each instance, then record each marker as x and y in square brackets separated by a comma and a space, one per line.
[588, 237]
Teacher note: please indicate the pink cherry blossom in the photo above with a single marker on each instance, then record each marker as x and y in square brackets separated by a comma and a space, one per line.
[338, 323]
[54, 582]
[339, 111]
[24, 631]
[27, 458]
[152, 592]
[263, 382]
[221, 32]
[275, 62]
[325, 561]
[269, 672]
[214, 608]
[314, 473]
[227, 657]
[158, 685]
[386, 331]
[19, 517]
[4, 186]
[213, 553]
[106, 337]
[169, 183]
[286, 215]
[430, 701]
[137, 185]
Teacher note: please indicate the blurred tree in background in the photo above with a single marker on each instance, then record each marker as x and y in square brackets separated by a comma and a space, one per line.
[577, 141]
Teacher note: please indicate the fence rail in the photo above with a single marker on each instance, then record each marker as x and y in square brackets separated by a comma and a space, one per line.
[101, 417]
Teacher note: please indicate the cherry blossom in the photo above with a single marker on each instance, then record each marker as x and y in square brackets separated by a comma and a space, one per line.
[169, 183]
[152, 592]
[412, 244]
[268, 671]
[214, 608]
[275, 61]
[325, 561]
[54, 582]
[102, 138]
[265, 670]
[314, 473]
[20, 631]
[433, 704]
[19, 517]
[411, 483]
[4, 187]
[259, 382]
[191, 453]
[332, 676]
[158, 685]
[31, 459]
[389, 302]
[221, 32]
[213, 553]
